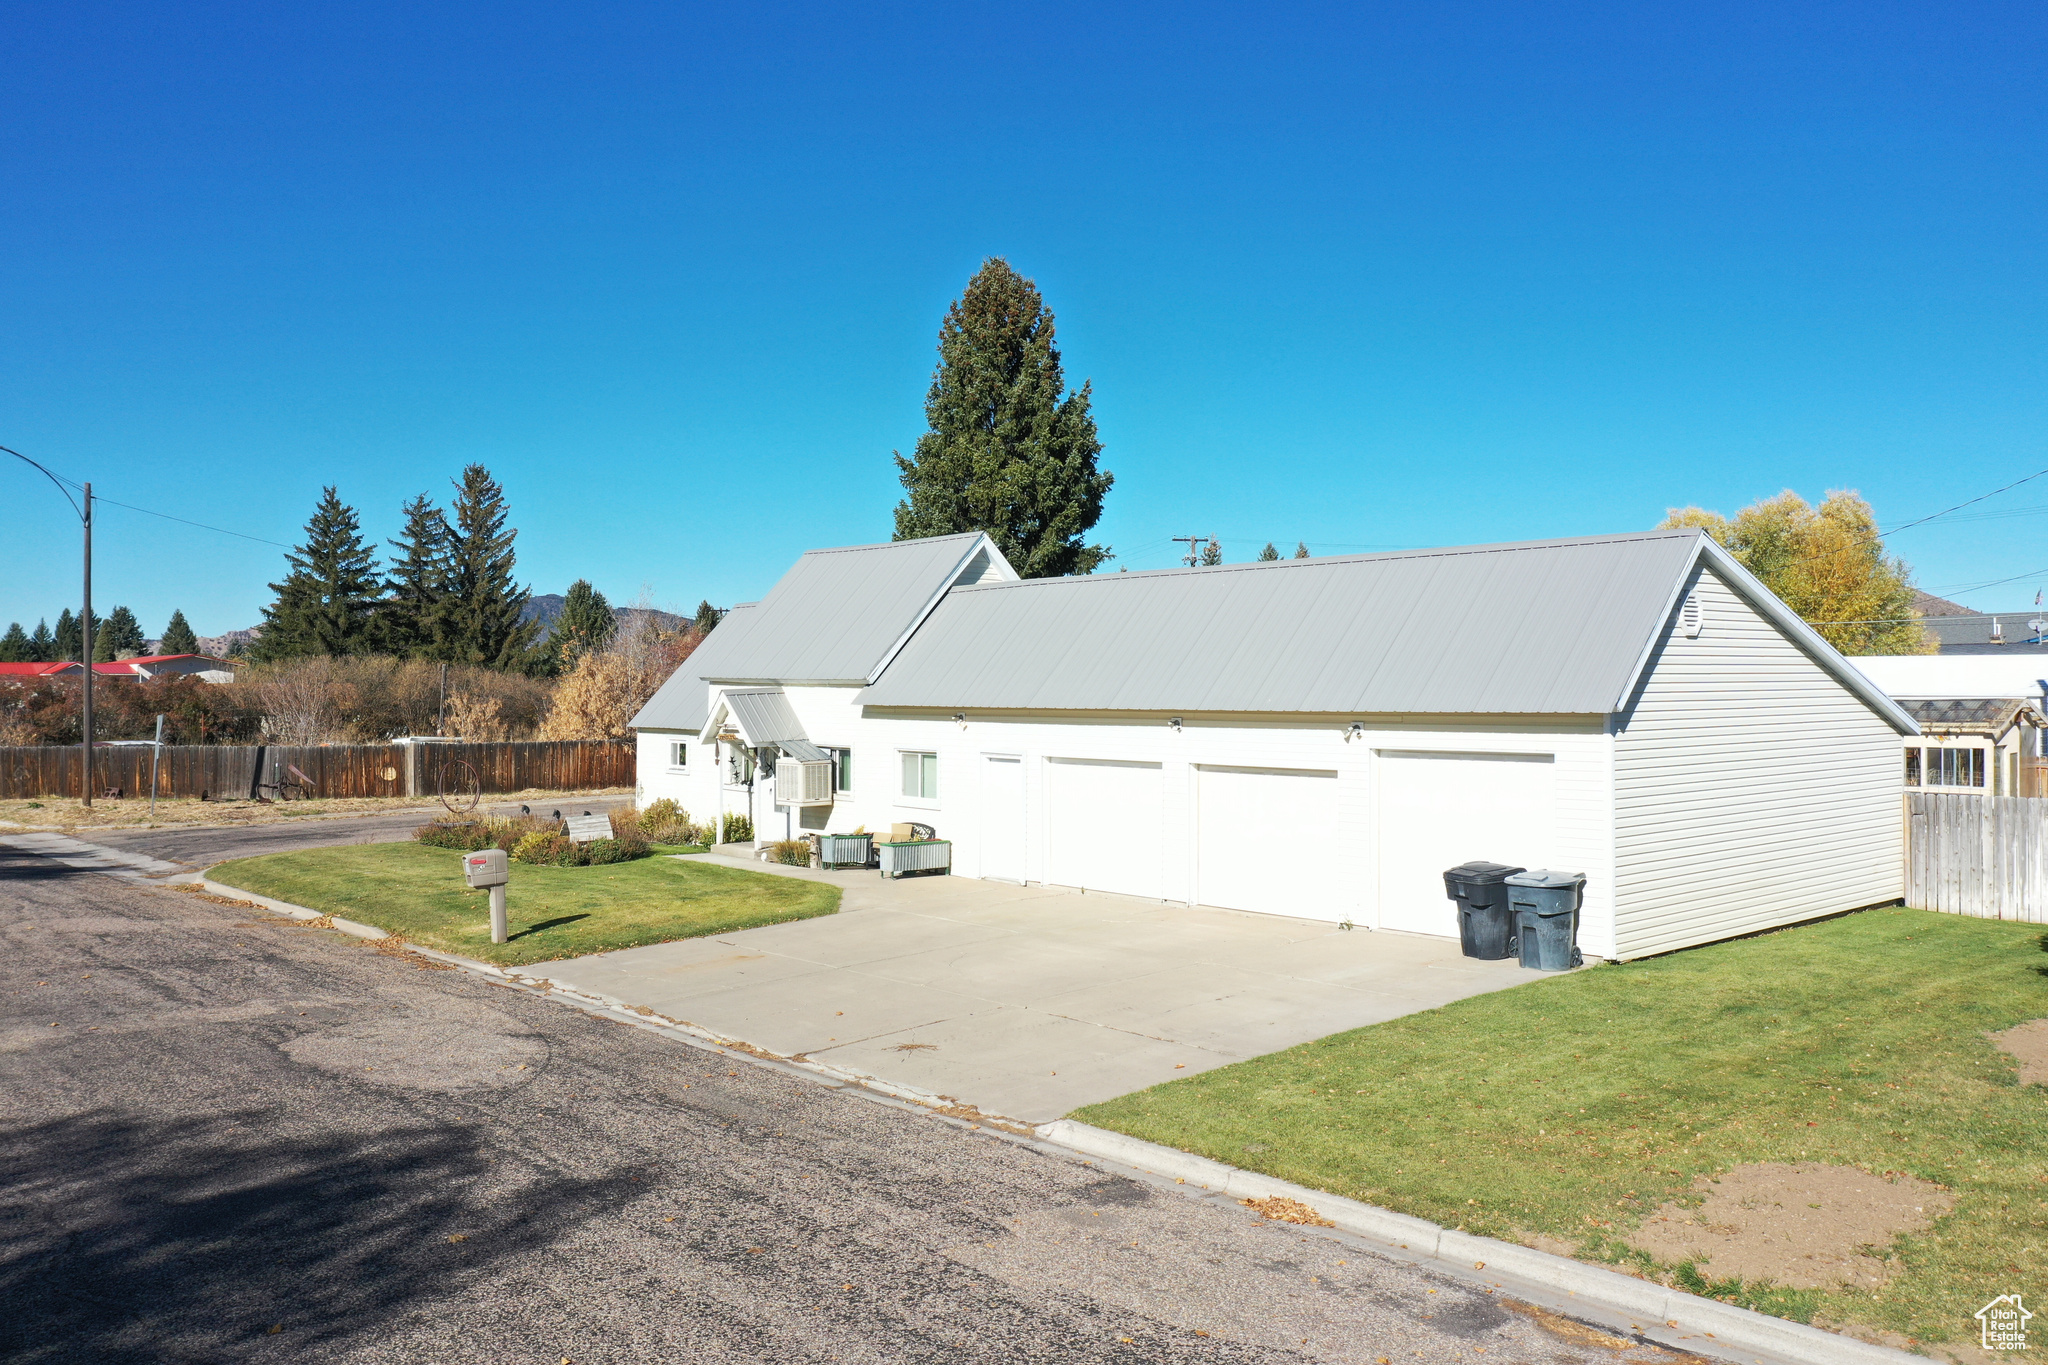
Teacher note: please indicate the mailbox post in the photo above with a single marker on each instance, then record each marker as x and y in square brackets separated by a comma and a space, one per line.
[491, 868]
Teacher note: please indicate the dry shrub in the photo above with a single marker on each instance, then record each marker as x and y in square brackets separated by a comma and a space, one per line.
[601, 694]
[476, 718]
[374, 697]
[795, 852]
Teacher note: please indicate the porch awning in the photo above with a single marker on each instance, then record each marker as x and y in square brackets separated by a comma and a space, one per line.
[762, 715]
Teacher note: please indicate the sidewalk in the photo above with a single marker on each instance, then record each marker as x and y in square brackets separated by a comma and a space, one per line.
[1026, 1002]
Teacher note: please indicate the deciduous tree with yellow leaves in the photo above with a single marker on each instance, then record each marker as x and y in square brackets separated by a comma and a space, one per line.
[1828, 564]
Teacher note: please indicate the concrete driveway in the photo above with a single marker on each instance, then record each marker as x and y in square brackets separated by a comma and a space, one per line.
[1028, 1002]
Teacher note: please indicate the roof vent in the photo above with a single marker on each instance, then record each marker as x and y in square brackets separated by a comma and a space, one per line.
[1689, 616]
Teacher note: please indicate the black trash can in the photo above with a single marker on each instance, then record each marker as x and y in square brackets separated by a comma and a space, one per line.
[1486, 927]
[1546, 910]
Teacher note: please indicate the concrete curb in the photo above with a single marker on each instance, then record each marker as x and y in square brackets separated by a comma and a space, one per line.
[1727, 1326]
[1459, 1253]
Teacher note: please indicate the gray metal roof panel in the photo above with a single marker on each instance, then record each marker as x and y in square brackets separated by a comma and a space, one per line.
[838, 615]
[683, 702]
[1541, 627]
[763, 714]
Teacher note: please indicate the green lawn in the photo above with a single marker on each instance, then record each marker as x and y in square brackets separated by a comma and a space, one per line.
[1570, 1107]
[555, 912]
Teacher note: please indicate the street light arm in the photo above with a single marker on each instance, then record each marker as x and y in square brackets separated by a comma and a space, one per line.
[53, 479]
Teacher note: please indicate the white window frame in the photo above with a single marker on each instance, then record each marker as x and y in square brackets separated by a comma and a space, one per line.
[681, 746]
[842, 767]
[931, 772]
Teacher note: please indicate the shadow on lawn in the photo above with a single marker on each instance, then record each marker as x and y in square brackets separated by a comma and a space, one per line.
[555, 923]
[132, 1240]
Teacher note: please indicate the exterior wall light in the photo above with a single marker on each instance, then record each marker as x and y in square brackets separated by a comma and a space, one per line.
[1357, 731]
[1174, 723]
[960, 719]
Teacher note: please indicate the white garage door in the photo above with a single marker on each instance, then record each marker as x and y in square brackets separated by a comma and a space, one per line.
[1436, 810]
[1241, 865]
[1102, 825]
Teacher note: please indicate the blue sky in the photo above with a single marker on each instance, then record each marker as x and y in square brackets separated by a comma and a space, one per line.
[1368, 276]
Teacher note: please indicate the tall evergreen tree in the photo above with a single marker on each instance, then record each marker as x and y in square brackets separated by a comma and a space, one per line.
[43, 644]
[1301, 549]
[413, 618]
[707, 617]
[1269, 554]
[119, 634]
[1009, 451]
[327, 603]
[70, 638]
[178, 637]
[1212, 553]
[586, 624]
[14, 645]
[485, 605]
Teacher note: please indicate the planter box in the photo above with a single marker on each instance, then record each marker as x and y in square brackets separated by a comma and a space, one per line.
[924, 855]
[845, 850]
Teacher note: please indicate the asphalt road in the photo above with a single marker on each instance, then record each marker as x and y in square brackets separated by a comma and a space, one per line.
[200, 846]
[225, 1137]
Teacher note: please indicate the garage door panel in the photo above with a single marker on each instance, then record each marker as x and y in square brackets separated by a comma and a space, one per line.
[1267, 840]
[1103, 825]
[1436, 810]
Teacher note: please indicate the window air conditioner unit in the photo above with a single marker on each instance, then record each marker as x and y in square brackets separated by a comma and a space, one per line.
[803, 783]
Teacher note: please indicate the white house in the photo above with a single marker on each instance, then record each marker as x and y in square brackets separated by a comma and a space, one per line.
[1318, 737]
[1981, 718]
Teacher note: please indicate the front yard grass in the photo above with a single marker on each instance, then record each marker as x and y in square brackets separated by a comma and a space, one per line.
[1566, 1110]
[554, 912]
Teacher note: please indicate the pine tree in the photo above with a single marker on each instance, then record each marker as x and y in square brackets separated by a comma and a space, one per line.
[14, 645]
[1009, 451]
[485, 605]
[70, 638]
[586, 624]
[178, 637]
[1212, 553]
[119, 634]
[1269, 554]
[412, 619]
[43, 644]
[327, 603]
[707, 617]
[1301, 549]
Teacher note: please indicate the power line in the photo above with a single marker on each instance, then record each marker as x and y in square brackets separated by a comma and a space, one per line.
[187, 521]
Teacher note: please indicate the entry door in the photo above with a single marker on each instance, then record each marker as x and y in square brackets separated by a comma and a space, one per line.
[1238, 865]
[1437, 810]
[1002, 819]
[1102, 826]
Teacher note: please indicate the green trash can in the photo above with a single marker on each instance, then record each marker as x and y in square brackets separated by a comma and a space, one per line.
[1546, 908]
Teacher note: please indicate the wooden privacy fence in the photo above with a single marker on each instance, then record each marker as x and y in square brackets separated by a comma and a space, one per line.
[1978, 855]
[232, 772]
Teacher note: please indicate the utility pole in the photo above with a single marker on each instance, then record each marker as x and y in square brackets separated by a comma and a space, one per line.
[1194, 544]
[85, 629]
[85, 647]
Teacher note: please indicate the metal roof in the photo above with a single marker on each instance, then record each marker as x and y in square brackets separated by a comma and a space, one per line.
[838, 616]
[762, 714]
[684, 701]
[1537, 627]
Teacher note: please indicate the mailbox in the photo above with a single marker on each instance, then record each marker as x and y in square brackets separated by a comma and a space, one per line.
[488, 867]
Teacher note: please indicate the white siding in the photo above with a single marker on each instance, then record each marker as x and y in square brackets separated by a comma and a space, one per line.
[1751, 789]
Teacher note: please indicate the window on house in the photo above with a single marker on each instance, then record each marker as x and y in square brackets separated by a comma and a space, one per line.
[1912, 767]
[1946, 767]
[842, 769]
[921, 776]
[678, 755]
